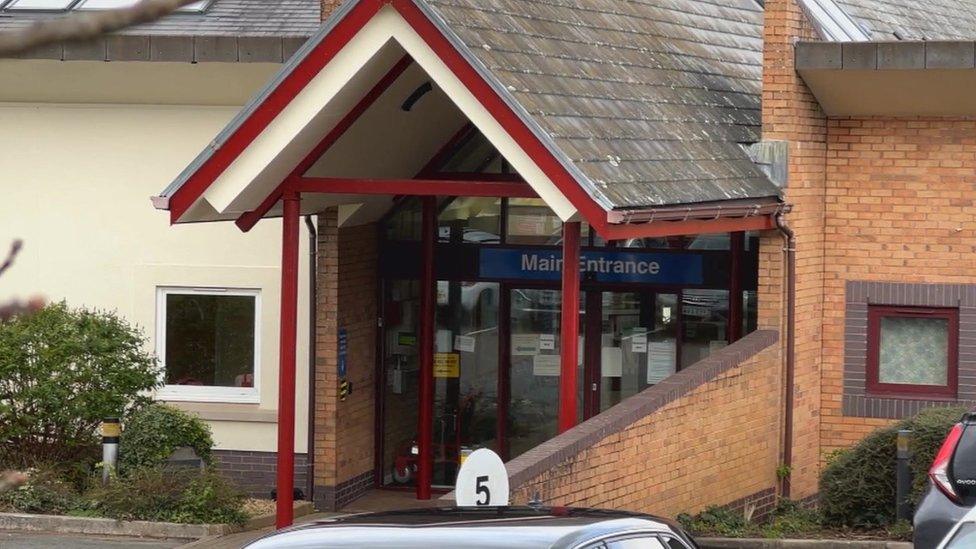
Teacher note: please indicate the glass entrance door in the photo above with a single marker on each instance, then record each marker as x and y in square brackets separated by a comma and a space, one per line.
[534, 367]
[637, 346]
[465, 373]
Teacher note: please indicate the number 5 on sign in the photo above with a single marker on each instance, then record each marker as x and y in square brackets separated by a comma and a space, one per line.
[482, 481]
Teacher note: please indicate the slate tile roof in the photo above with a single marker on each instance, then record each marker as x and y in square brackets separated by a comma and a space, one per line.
[277, 18]
[649, 99]
[914, 19]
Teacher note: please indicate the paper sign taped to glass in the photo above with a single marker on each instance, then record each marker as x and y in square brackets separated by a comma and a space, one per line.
[525, 344]
[545, 365]
[660, 360]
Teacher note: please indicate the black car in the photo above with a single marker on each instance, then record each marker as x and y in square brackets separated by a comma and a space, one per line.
[952, 485]
[483, 527]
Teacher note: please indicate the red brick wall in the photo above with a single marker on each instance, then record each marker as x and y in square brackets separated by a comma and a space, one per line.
[708, 435]
[900, 202]
[791, 113]
[346, 299]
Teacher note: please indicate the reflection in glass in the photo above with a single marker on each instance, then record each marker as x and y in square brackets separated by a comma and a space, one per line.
[400, 394]
[530, 221]
[471, 220]
[210, 340]
[465, 373]
[535, 345]
[704, 323]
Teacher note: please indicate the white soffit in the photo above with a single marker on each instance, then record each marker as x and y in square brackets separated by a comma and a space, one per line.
[833, 23]
[299, 126]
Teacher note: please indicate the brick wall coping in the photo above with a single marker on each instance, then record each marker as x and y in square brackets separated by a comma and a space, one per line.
[562, 447]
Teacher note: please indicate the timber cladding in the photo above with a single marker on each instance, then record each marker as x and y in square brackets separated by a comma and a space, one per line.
[709, 434]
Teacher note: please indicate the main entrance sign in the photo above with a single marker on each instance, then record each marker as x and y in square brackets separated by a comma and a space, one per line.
[603, 266]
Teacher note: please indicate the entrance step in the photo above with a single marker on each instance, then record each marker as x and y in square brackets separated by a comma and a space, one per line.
[389, 500]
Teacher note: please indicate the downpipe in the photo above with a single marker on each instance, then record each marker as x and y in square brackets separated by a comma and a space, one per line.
[789, 299]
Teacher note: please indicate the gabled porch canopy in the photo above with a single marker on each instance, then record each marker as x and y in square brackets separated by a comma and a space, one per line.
[612, 126]
[336, 110]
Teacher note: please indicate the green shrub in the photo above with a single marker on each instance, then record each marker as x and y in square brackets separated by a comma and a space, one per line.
[715, 521]
[153, 432]
[62, 371]
[169, 495]
[788, 519]
[857, 487]
[45, 492]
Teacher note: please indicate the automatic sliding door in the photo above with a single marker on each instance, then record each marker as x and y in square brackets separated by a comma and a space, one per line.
[638, 343]
[533, 409]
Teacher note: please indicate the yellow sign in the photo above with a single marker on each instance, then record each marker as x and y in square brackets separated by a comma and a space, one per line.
[447, 365]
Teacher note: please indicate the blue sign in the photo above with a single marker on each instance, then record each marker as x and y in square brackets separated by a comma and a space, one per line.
[342, 353]
[604, 266]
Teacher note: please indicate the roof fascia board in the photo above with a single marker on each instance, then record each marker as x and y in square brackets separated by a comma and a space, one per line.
[184, 185]
[832, 22]
[262, 156]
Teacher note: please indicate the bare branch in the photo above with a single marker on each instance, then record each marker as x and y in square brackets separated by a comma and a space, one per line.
[85, 26]
[16, 307]
[15, 247]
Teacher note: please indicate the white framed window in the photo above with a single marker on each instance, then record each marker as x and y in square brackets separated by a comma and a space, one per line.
[208, 340]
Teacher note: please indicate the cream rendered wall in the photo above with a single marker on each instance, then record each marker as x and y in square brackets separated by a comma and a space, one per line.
[75, 182]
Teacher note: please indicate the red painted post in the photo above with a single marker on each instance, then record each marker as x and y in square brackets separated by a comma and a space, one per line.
[425, 435]
[569, 324]
[286, 354]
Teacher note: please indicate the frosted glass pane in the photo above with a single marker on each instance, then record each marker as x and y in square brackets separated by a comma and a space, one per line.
[39, 4]
[913, 351]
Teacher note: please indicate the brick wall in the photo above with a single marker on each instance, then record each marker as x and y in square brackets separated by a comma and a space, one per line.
[254, 472]
[791, 113]
[707, 435]
[346, 299]
[900, 203]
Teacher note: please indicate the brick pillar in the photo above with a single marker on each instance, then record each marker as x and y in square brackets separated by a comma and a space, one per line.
[344, 429]
[326, 378]
[791, 113]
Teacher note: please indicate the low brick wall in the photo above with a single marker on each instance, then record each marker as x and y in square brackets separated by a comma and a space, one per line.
[708, 435]
[255, 472]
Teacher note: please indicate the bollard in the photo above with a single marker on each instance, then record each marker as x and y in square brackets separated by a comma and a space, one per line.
[111, 430]
[903, 475]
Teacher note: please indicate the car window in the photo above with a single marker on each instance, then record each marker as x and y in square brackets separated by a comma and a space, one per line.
[673, 543]
[965, 537]
[635, 542]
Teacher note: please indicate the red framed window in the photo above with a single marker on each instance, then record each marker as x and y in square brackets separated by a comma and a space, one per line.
[913, 351]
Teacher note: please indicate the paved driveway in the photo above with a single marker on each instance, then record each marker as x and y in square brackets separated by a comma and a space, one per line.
[34, 540]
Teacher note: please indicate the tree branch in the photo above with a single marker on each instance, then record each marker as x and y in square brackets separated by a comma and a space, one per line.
[85, 26]
[15, 247]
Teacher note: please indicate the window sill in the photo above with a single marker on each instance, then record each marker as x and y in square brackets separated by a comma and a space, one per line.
[191, 393]
[246, 413]
[913, 396]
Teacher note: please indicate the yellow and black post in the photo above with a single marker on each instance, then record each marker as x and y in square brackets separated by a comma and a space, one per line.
[111, 431]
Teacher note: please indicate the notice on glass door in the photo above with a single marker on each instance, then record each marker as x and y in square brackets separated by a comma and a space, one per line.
[525, 344]
[660, 360]
[464, 344]
[545, 365]
[638, 341]
[547, 342]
